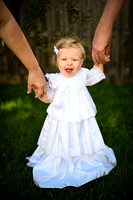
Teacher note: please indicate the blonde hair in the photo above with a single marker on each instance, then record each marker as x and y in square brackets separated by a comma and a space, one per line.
[66, 43]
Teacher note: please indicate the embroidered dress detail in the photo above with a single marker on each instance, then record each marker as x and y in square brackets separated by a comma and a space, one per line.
[71, 150]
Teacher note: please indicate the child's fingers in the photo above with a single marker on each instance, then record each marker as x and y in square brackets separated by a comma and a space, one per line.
[107, 58]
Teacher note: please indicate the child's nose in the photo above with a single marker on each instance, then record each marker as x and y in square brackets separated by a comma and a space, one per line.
[69, 62]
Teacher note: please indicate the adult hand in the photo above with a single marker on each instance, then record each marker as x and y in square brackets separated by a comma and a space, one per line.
[37, 82]
[103, 34]
[101, 45]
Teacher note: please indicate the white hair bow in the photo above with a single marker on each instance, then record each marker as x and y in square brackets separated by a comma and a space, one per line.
[56, 50]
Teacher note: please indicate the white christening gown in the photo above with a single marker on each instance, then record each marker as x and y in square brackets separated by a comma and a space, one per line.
[71, 150]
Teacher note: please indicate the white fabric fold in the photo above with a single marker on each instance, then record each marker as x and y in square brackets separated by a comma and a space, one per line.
[70, 154]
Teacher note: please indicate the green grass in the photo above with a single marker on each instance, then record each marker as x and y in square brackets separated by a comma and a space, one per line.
[21, 120]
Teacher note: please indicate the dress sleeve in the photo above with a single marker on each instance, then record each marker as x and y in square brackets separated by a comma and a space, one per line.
[52, 86]
[94, 76]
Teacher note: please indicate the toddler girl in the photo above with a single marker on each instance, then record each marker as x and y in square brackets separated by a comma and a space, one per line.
[71, 150]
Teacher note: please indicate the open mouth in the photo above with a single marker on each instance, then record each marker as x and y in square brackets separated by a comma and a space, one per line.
[69, 70]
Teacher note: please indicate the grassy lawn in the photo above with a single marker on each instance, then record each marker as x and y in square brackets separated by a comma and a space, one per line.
[21, 120]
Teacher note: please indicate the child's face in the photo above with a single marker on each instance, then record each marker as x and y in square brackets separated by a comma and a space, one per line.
[69, 61]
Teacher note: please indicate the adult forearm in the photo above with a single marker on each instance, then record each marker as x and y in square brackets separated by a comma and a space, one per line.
[14, 38]
[110, 13]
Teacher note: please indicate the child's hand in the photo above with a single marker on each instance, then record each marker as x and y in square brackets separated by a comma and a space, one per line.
[43, 98]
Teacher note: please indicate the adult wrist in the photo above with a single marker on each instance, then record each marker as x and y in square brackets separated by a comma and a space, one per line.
[34, 68]
[105, 25]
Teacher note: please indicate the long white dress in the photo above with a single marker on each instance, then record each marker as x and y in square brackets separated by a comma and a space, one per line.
[71, 150]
